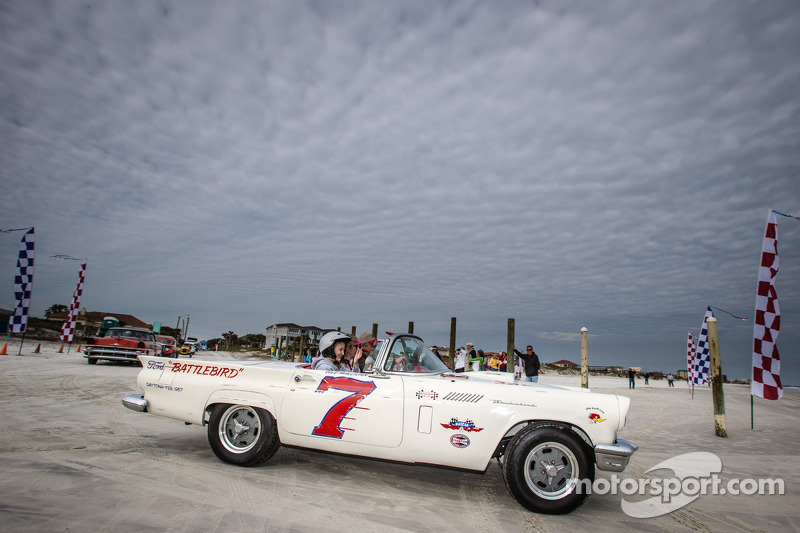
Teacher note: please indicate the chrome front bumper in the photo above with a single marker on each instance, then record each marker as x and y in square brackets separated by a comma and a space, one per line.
[112, 354]
[614, 457]
[135, 402]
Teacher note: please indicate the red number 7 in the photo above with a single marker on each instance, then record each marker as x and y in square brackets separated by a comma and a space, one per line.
[329, 427]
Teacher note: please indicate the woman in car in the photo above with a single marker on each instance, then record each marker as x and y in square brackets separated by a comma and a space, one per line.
[332, 348]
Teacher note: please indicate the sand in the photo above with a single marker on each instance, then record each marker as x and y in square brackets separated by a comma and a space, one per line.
[74, 459]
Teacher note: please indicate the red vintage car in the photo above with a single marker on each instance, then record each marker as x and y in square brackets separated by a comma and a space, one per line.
[122, 344]
[168, 345]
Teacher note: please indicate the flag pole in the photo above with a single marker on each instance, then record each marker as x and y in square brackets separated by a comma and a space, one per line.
[751, 411]
[21, 342]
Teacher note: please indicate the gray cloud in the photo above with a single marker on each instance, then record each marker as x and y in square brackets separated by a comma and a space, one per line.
[339, 163]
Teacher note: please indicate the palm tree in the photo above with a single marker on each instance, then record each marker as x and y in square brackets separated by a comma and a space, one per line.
[55, 308]
[229, 337]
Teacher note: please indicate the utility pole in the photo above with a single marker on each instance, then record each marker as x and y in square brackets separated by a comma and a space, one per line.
[186, 335]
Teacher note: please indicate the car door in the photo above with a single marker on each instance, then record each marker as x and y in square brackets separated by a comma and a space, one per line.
[345, 408]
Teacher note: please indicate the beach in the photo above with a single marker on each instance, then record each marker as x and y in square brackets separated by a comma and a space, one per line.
[74, 459]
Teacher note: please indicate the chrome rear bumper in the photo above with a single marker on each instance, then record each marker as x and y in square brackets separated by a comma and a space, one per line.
[614, 457]
[135, 402]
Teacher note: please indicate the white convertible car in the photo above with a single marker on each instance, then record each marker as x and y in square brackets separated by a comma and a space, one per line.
[406, 406]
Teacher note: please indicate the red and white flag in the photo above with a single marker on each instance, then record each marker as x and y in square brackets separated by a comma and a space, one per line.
[68, 327]
[691, 353]
[766, 379]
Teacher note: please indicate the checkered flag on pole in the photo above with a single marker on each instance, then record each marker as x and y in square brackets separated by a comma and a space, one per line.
[23, 284]
[68, 328]
[691, 353]
[702, 366]
[766, 378]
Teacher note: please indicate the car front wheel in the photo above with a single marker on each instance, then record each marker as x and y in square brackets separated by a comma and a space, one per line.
[242, 435]
[548, 470]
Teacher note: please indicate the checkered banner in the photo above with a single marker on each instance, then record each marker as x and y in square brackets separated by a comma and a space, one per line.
[68, 328]
[702, 362]
[691, 353]
[766, 378]
[23, 284]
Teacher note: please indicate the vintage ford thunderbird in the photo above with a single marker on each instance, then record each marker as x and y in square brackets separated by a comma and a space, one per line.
[406, 406]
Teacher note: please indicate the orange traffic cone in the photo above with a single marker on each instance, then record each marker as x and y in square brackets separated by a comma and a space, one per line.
[79, 348]
[61, 350]
[38, 348]
[4, 349]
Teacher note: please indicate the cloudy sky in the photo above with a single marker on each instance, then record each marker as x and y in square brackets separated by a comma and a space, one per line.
[607, 165]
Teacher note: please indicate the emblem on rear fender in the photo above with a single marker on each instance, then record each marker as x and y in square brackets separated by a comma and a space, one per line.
[459, 441]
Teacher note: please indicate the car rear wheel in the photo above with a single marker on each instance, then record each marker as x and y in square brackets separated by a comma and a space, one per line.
[548, 469]
[242, 435]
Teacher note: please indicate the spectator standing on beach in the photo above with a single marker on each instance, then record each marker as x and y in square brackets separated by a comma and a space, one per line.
[494, 363]
[474, 361]
[435, 351]
[531, 361]
[670, 380]
[461, 360]
[503, 361]
[471, 353]
[647, 378]
[631, 378]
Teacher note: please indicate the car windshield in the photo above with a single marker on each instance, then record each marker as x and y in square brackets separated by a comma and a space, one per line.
[409, 354]
[121, 332]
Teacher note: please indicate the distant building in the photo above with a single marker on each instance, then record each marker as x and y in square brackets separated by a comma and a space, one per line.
[565, 364]
[88, 322]
[285, 334]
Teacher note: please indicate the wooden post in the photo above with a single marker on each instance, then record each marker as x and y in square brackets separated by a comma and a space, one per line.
[411, 327]
[353, 334]
[451, 352]
[584, 358]
[375, 330]
[720, 427]
[302, 349]
[510, 333]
